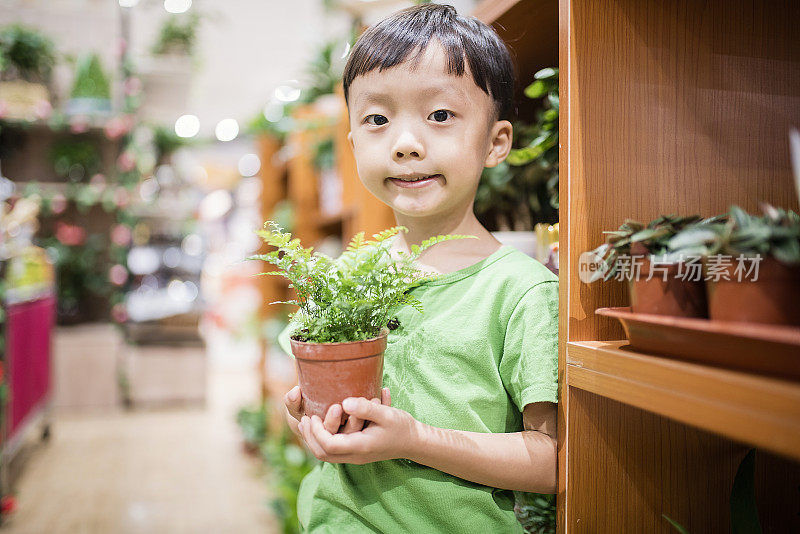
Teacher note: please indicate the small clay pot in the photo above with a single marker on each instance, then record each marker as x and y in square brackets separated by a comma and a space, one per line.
[673, 296]
[773, 298]
[331, 372]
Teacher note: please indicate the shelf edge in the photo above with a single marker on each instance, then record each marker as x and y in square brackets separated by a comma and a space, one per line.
[756, 410]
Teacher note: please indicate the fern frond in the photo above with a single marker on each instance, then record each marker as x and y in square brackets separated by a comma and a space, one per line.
[412, 301]
[292, 302]
[387, 234]
[438, 239]
[356, 243]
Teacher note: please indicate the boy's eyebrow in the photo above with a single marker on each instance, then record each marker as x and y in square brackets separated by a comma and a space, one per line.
[370, 97]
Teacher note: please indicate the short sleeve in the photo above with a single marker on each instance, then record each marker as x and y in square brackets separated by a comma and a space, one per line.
[529, 366]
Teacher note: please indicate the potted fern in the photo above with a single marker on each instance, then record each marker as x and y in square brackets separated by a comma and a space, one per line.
[346, 307]
[91, 91]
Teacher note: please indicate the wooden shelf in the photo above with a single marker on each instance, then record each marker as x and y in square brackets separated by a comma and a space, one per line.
[530, 29]
[760, 411]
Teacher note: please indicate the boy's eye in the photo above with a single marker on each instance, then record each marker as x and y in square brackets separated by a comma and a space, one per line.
[440, 115]
[377, 120]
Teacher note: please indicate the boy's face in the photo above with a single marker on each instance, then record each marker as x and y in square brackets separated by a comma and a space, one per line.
[421, 122]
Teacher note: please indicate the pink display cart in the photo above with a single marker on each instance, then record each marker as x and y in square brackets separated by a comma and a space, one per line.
[29, 332]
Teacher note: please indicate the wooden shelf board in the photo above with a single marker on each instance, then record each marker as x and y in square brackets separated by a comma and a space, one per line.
[490, 11]
[756, 410]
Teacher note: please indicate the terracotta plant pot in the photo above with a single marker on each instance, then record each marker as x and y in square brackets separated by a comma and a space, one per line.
[331, 372]
[671, 296]
[772, 298]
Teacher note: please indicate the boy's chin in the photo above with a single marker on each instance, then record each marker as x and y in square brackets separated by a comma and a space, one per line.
[416, 210]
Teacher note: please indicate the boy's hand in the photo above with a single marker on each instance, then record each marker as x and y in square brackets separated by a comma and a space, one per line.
[390, 433]
[293, 400]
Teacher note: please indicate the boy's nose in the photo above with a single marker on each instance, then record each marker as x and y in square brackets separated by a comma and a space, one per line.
[408, 146]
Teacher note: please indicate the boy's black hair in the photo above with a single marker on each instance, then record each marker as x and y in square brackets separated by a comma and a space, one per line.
[390, 41]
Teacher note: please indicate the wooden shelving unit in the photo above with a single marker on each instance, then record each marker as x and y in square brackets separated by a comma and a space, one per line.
[666, 107]
[759, 411]
[651, 124]
[530, 29]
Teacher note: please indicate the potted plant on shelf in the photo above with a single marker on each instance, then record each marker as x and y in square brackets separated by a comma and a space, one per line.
[346, 308]
[177, 36]
[27, 58]
[752, 266]
[166, 74]
[91, 91]
[661, 280]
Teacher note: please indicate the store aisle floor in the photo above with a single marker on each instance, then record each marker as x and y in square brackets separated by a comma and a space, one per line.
[166, 471]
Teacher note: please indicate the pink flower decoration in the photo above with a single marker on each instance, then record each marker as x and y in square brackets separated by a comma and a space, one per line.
[121, 197]
[118, 274]
[58, 204]
[98, 180]
[8, 504]
[79, 124]
[70, 234]
[119, 313]
[117, 127]
[43, 109]
[126, 162]
[132, 86]
[120, 235]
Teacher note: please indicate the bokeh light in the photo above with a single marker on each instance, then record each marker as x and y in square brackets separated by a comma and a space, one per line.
[227, 130]
[249, 165]
[187, 126]
[177, 6]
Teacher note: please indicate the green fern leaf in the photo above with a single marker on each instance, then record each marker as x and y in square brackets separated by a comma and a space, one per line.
[356, 243]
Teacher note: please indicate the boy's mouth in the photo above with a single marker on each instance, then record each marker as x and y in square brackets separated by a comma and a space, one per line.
[413, 180]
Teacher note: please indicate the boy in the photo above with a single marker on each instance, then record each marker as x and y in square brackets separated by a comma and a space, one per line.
[473, 380]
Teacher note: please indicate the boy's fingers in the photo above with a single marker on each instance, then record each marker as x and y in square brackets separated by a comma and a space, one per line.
[361, 407]
[294, 402]
[336, 446]
[333, 419]
[308, 437]
[386, 397]
[353, 424]
[322, 436]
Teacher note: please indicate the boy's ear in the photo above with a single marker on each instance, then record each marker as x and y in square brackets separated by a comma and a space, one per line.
[501, 137]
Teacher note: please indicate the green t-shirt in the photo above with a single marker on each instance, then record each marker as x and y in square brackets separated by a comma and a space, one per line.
[485, 346]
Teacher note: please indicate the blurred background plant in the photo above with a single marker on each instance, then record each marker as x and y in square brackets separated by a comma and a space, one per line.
[536, 512]
[523, 190]
[80, 269]
[178, 35]
[76, 159]
[26, 53]
[91, 80]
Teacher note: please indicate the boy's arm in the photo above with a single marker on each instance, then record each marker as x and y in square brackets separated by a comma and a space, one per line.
[524, 461]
